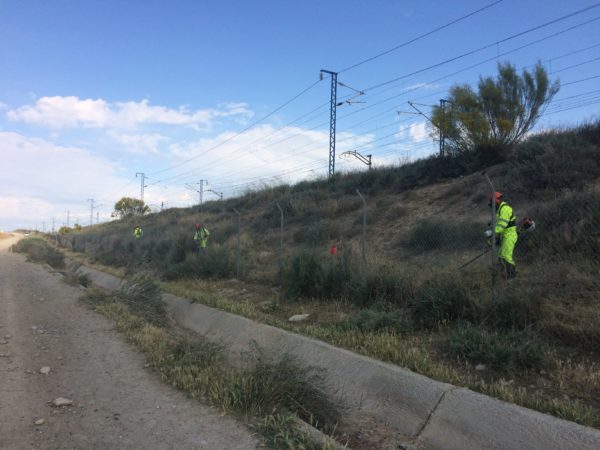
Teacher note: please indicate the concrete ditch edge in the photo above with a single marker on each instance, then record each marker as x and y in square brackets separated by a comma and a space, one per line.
[430, 413]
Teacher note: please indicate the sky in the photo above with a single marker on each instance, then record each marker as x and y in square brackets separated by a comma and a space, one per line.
[224, 97]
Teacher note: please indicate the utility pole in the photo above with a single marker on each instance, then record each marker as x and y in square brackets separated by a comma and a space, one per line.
[200, 190]
[142, 184]
[53, 225]
[443, 102]
[332, 114]
[91, 200]
[68, 212]
[97, 217]
[43, 226]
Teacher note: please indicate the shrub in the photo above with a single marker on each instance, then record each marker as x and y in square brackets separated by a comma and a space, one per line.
[381, 284]
[286, 385]
[557, 160]
[215, 261]
[305, 276]
[143, 297]
[379, 320]
[38, 250]
[509, 351]
[444, 300]
[437, 234]
[512, 312]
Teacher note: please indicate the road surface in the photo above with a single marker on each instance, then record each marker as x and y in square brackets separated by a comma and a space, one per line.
[117, 403]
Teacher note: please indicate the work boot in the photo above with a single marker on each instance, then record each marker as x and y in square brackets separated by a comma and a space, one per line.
[511, 271]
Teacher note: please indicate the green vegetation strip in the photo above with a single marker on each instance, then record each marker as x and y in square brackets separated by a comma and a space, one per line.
[266, 393]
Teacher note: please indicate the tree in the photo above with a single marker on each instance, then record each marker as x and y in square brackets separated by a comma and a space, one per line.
[130, 207]
[500, 113]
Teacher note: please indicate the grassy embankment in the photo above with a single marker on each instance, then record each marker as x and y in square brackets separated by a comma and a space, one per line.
[535, 344]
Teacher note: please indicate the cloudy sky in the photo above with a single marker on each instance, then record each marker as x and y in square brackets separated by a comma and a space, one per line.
[93, 92]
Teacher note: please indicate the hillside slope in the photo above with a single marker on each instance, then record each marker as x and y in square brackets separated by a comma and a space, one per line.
[409, 301]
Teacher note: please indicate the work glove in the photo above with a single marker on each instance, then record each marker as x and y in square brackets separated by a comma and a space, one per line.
[488, 233]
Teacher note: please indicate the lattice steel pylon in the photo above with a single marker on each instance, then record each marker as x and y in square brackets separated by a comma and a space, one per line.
[333, 107]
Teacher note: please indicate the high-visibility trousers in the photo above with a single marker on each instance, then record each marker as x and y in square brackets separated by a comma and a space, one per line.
[507, 245]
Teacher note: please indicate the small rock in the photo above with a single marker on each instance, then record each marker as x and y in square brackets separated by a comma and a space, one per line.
[61, 401]
[480, 367]
[3, 342]
[298, 317]
[7, 336]
[4, 355]
[40, 421]
[45, 370]
[34, 328]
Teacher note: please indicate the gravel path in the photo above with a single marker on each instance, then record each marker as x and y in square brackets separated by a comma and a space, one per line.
[117, 403]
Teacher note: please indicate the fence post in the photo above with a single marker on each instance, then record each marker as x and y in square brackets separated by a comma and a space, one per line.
[237, 264]
[280, 237]
[493, 238]
[363, 246]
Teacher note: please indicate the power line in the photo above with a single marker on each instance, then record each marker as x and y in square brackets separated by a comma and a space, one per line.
[454, 73]
[429, 33]
[244, 130]
[485, 47]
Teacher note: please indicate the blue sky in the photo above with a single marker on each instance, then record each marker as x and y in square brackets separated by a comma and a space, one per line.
[92, 92]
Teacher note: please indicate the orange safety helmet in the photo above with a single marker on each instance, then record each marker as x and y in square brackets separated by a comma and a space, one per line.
[496, 196]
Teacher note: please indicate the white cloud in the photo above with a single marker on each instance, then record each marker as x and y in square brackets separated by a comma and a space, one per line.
[418, 132]
[414, 132]
[139, 143]
[39, 179]
[263, 154]
[69, 112]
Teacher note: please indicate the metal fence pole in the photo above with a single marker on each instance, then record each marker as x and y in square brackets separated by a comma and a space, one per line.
[493, 202]
[364, 229]
[280, 237]
[237, 264]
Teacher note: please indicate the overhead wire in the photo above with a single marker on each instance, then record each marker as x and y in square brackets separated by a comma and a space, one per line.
[453, 59]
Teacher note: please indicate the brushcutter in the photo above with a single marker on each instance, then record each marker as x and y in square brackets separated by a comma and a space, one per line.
[475, 259]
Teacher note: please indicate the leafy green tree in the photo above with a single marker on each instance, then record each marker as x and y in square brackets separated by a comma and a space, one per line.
[500, 113]
[130, 207]
[64, 230]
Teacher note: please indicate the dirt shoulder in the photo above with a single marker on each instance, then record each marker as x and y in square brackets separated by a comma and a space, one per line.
[117, 402]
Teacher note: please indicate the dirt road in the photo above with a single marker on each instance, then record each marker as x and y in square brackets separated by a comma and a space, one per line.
[118, 404]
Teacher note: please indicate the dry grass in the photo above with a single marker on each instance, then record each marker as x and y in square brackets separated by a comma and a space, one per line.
[262, 394]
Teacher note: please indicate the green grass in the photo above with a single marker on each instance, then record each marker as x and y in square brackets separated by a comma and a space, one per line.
[506, 351]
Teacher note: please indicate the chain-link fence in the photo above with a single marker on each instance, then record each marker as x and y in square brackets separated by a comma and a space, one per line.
[438, 231]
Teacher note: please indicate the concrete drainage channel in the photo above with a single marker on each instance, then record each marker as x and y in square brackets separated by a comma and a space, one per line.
[424, 413]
